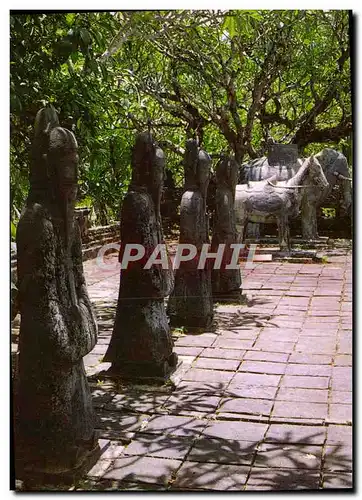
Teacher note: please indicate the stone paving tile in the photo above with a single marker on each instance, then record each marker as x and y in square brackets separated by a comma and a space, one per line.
[274, 346]
[297, 434]
[271, 292]
[285, 456]
[299, 292]
[188, 351]
[201, 388]
[238, 431]
[316, 345]
[338, 458]
[274, 357]
[243, 417]
[92, 359]
[344, 346]
[342, 382]
[246, 406]
[310, 370]
[319, 332]
[114, 450]
[190, 402]
[255, 379]
[283, 322]
[216, 364]
[300, 410]
[302, 395]
[251, 391]
[222, 451]
[210, 476]
[228, 343]
[99, 469]
[160, 446]
[305, 381]
[340, 413]
[145, 469]
[240, 334]
[214, 352]
[200, 375]
[318, 314]
[120, 423]
[337, 480]
[337, 434]
[101, 395]
[286, 311]
[310, 359]
[282, 479]
[174, 426]
[138, 402]
[203, 340]
[283, 335]
[343, 397]
[262, 367]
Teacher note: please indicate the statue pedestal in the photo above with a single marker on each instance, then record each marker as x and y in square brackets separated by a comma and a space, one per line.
[33, 470]
[145, 373]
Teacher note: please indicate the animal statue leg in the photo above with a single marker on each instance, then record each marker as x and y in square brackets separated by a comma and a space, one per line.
[253, 231]
[309, 221]
[283, 229]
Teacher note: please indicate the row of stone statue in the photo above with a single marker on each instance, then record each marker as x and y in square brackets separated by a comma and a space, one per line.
[53, 408]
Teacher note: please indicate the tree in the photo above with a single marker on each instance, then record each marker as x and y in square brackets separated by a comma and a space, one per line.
[56, 59]
[244, 75]
[231, 78]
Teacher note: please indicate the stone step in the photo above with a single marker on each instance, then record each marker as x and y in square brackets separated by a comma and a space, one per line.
[100, 242]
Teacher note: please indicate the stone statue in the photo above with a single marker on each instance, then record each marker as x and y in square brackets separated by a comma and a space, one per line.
[226, 283]
[283, 162]
[55, 419]
[141, 344]
[191, 303]
[277, 201]
[335, 168]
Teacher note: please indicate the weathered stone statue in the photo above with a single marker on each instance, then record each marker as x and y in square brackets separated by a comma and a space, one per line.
[282, 163]
[141, 344]
[55, 419]
[191, 303]
[277, 201]
[226, 283]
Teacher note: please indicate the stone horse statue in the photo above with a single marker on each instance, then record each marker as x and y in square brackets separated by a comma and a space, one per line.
[335, 168]
[272, 200]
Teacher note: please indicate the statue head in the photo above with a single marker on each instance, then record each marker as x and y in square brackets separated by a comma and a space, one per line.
[63, 164]
[46, 119]
[143, 155]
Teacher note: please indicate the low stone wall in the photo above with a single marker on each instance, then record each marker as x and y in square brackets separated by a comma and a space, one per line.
[97, 237]
[92, 242]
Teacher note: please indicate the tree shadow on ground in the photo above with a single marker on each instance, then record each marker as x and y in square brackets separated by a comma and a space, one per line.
[193, 452]
[242, 319]
[186, 454]
[105, 313]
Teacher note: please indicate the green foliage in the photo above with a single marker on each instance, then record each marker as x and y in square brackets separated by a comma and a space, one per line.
[232, 78]
[12, 230]
[329, 213]
[56, 58]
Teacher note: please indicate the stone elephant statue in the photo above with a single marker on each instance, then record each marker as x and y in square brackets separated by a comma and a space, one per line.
[335, 168]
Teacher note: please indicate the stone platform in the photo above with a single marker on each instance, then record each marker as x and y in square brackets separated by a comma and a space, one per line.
[262, 401]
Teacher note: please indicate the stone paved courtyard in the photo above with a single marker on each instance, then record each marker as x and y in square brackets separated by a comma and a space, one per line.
[263, 401]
